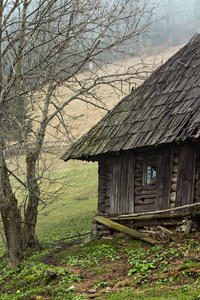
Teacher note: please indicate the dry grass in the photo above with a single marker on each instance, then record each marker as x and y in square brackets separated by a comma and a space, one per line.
[80, 117]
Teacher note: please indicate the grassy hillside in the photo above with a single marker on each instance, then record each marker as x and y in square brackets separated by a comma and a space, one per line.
[71, 212]
[120, 268]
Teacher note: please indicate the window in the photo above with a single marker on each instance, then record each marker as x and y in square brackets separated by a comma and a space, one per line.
[150, 174]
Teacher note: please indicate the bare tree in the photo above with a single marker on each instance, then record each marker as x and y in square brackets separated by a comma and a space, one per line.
[47, 45]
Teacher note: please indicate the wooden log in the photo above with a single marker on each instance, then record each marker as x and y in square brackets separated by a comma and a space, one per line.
[174, 187]
[197, 198]
[105, 231]
[144, 208]
[139, 164]
[144, 202]
[165, 230]
[175, 169]
[187, 170]
[140, 192]
[173, 197]
[172, 205]
[174, 178]
[124, 229]
[145, 197]
[102, 227]
[147, 231]
[138, 173]
[107, 210]
[176, 158]
[172, 223]
[138, 182]
[166, 210]
[153, 216]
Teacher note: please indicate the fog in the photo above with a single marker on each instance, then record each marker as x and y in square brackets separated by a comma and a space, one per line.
[180, 21]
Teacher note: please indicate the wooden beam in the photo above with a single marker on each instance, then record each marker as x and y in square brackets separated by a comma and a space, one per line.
[149, 217]
[124, 229]
[162, 211]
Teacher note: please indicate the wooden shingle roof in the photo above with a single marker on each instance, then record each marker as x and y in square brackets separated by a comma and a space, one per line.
[165, 108]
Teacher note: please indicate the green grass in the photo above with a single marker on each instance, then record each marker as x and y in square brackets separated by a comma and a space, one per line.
[31, 278]
[71, 212]
[157, 293]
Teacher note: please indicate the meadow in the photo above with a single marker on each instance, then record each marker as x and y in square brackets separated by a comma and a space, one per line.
[71, 212]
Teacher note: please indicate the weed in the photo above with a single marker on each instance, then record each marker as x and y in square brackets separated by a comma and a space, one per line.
[105, 252]
[192, 242]
[141, 268]
[101, 284]
[80, 297]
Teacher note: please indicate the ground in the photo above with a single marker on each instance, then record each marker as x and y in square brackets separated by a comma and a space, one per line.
[112, 275]
[115, 268]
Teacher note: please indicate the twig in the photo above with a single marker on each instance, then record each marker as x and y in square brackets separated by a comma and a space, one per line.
[165, 230]
[15, 176]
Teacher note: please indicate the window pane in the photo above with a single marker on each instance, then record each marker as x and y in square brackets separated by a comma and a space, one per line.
[148, 175]
[153, 174]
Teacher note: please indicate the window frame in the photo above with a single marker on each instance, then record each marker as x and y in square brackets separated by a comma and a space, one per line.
[151, 164]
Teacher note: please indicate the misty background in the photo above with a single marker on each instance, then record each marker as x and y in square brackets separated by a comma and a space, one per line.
[180, 21]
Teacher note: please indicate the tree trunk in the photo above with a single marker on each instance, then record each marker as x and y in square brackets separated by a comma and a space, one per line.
[12, 227]
[11, 217]
[31, 212]
[30, 216]
[30, 221]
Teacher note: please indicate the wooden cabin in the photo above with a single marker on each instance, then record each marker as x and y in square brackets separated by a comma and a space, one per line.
[148, 145]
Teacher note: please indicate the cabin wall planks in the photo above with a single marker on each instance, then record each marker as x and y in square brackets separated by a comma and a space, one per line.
[186, 174]
[122, 187]
[197, 177]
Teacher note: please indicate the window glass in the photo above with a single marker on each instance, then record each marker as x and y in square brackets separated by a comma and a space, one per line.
[150, 175]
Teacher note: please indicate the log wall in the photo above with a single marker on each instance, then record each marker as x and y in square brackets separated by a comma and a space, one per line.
[186, 174]
[122, 188]
[145, 196]
[104, 187]
[197, 177]
[174, 176]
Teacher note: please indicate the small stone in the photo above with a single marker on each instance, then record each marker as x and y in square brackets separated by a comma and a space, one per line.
[91, 291]
[87, 241]
[71, 288]
[107, 238]
[52, 275]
